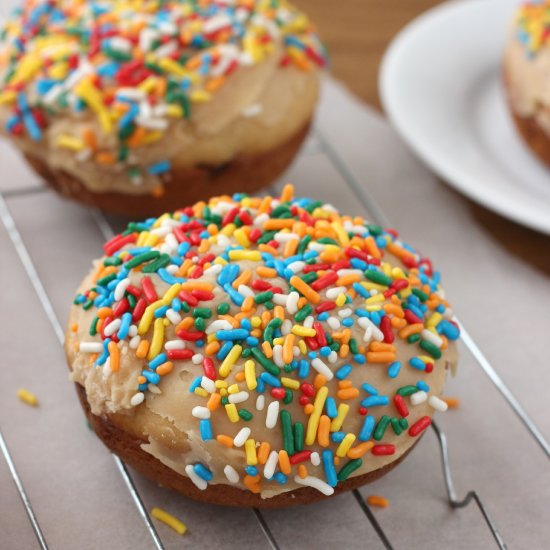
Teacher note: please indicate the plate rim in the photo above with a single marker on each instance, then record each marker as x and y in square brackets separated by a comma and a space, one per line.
[440, 167]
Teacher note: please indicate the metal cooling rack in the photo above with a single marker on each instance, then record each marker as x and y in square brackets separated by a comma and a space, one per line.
[319, 145]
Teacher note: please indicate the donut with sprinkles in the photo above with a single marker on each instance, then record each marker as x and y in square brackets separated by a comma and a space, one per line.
[261, 351]
[134, 106]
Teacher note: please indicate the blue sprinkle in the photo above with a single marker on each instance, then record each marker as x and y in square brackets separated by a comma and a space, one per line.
[358, 358]
[246, 324]
[361, 290]
[450, 330]
[152, 377]
[328, 465]
[337, 437]
[158, 361]
[199, 343]
[417, 363]
[160, 167]
[366, 430]
[195, 384]
[303, 369]
[369, 389]
[280, 478]
[325, 351]
[183, 248]
[176, 304]
[323, 316]
[203, 472]
[348, 322]
[167, 278]
[330, 404]
[394, 368]
[375, 401]
[343, 371]
[251, 470]
[161, 312]
[235, 334]
[224, 350]
[143, 387]
[228, 274]
[103, 357]
[268, 378]
[421, 385]
[125, 323]
[260, 388]
[206, 429]
[252, 341]
[356, 263]
[235, 296]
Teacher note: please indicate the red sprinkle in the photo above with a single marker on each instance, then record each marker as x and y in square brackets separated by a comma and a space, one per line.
[121, 307]
[429, 367]
[209, 369]
[300, 456]
[380, 450]
[190, 336]
[363, 411]
[324, 281]
[149, 290]
[116, 243]
[385, 327]
[278, 393]
[400, 405]
[175, 354]
[141, 304]
[304, 400]
[419, 426]
[325, 306]
[411, 317]
[307, 389]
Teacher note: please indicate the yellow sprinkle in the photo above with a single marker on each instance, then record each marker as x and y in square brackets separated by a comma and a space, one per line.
[255, 322]
[230, 360]
[290, 383]
[178, 526]
[158, 339]
[171, 293]
[147, 318]
[171, 66]
[375, 307]
[341, 233]
[220, 384]
[337, 422]
[299, 330]
[239, 255]
[70, 142]
[345, 446]
[315, 416]
[278, 341]
[200, 96]
[250, 450]
[7, 97]
[302, 347]
[27, 397]
[201, 391]
[434, 320]
[250, 374]
[241, 237]
[377, 298]
[151, 240]
[142, 238]
[341, 299]
[234, 388]
[232, 412]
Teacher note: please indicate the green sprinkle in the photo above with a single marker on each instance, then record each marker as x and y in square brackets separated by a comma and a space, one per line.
[93, 326]
[327, 240]
[246, 415]
[270, 329]
[354, 348]
[107, 279]
[304, 244]
[303, 313]
[298, 436]
[381, 427]
[309, 277]
[288, 436]
[225, 400]
[223, 308]
[287, 399]
[162, 261]
[202, 312]
[88, 305]
[403, 423]
[263, 297]
[131, 300]
[268, 365]
[200, 324]
[266, 237]
[374, 230]
[349, 468]
[185, 307]
[404, 391]
[269, 305]
[413, 338]
[281, 212]
[246, 353]
[422, 296]
[142, 258]
[113, 260]
[378, 277]
[313, 206]
[430, 348]
[396, 426]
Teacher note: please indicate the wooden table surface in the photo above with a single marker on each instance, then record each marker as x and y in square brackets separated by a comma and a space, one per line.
[357, 32]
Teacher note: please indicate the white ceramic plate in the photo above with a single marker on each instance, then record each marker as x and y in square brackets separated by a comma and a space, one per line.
[441, 87]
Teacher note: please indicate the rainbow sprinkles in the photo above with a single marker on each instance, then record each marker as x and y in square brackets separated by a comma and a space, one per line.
[284, 309]
[133, 69]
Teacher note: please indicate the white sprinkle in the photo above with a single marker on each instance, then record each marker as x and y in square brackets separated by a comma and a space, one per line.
[208, 384]
[365, 323]
[296, 267]
[134, 94]
[271, 464]
[432, 337]
[195, 478]
[278, 355]
[84, 155]
[201, 412]
[241, 437]
[112, 327]
[292, 302]
[166, 50]
[344, 272]
[219, 324]
[260, 403]
[134, 342]
[137, 399]
[120, 44]
[333, 293]
[286, 327]
[418, 397]
[231, 474]
[174, 344]
[245, 291]
[239, 397]
[173, 316]
[272, 415]
[322, 368]
[345, 312]
[213, 269]
[333, 357]
[172, 269]
[197, 359]
[91, 347]
[286, 237]
[252, 110]
[316, 483]
[261, 219]
[315, 458]
[333, 323]
[153, 388]
[107, 368]
[132, 331]
[151, 123]
[437, 403]
[280, 299]
[308, 321]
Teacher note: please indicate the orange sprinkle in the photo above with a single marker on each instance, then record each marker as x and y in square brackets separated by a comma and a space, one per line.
[380, 357]
[214, 401]
[344, 350]
[195, 285]
[142, 379]
[302, 471]
[266, 347]
[265, 205]
[405, 332]
[279, 312]
[74, 327]
[114, 354]
[343, 384]
[142, 349]
[398, 323]
[266, 272]
[158, 191]
[253, 483]
[242, 279]
[290, 248]
[225, 439]
[323, 431]
[452, 402]
[394, 309]
[347, 280]
[215, 83]
[398, 251]
[288, 348]
[319, 381]
[185, 323]
[377, 500]
[263, 452]
[287, 193]
[248, 304]
[372, 248]
[212, 348]
[105, 158]
[274, 224]
[268, 249]
[204, 246]
[305, 289]
[360, 450]
[381, 346]
[308, 409]
[239, 377]
[165, 368]
[284, 462]
[348, 393]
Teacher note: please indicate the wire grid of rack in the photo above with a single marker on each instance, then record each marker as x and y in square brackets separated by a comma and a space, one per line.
[69, 493]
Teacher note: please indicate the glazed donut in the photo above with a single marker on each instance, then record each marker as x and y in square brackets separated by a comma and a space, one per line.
[260, 351]
[135, 107]
[527, 75]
